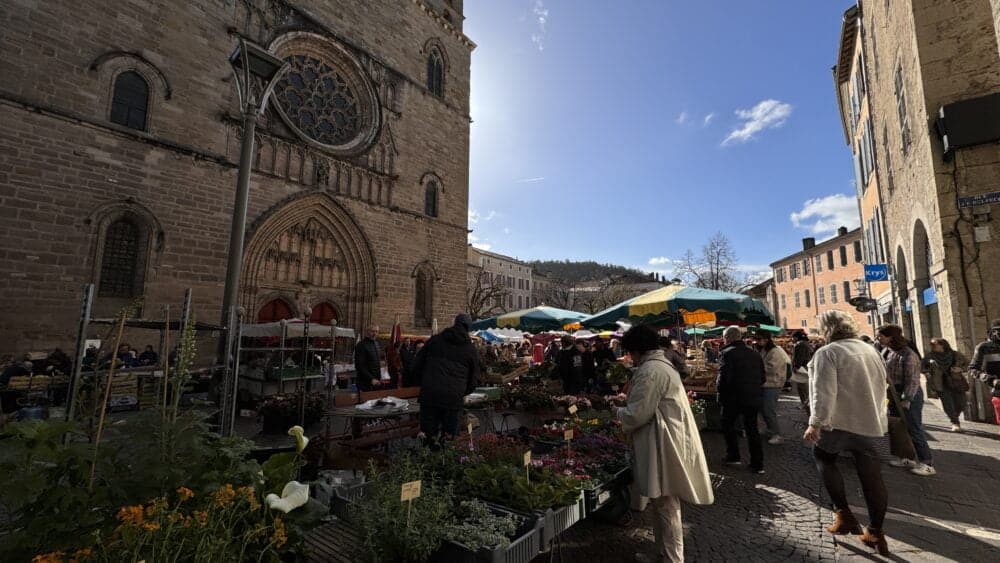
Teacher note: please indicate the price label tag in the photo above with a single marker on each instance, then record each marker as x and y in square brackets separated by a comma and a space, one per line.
[409, 491]
[568, 435]
[603, 498]
[572, 409]
[527, 458]
[470, 429]
[614, 388]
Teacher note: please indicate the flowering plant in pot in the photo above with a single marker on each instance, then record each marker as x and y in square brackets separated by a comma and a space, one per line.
[282, 411]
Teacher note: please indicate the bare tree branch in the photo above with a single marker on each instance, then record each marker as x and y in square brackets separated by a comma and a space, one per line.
[482, 298]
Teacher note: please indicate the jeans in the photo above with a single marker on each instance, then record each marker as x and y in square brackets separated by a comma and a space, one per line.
[769, 410]
[435, 421]
[668, 530]
[802, 389]
[915, 422]
[953, 403]
[730, 414]
[869, 472]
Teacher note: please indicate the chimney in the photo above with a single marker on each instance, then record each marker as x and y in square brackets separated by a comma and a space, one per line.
[841, 231]
[808, 243]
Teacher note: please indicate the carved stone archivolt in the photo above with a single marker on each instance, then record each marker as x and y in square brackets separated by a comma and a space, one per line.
[310, 246]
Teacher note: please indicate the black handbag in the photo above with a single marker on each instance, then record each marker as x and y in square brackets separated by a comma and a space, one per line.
[900, 442]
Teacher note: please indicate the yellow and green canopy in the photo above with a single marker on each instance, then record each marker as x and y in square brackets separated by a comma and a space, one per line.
[536, 319]
[676, 305]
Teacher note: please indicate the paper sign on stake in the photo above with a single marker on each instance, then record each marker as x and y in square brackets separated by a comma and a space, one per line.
[410, 491]
[614, 388]
[527, 465]
[572, 409]
[568, 435]
[527, 457]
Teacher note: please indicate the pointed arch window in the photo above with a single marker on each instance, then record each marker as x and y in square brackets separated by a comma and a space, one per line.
[130, 101]
[435, 73]
[423, 308]
[323, 313]
[431, 199]
[121, 272]
[273, 311]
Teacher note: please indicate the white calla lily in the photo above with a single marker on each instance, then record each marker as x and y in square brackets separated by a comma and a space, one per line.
[293, 496]
[300, 437]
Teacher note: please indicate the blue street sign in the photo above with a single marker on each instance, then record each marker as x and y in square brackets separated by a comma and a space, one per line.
[876, 272]
[930, 296]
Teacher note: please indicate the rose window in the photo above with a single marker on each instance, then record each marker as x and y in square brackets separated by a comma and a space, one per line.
[319, 101]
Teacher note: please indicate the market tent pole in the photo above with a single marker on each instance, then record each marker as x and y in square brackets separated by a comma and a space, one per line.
[81, 350]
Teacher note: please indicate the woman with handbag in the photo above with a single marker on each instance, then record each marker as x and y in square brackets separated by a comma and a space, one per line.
[903, 366]
[946, 374]
[668, 460]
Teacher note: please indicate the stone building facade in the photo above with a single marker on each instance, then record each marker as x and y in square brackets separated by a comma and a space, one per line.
[918, 57]
[510, 273]
[120, 143]
[821, 277]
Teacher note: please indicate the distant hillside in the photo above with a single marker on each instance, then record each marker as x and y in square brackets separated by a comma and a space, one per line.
[575, 272]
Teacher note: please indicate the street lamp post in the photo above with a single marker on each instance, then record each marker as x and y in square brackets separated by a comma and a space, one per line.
[256, 72]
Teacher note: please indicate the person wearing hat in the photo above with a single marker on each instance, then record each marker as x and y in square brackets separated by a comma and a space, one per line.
[447, 369]
[985, 364]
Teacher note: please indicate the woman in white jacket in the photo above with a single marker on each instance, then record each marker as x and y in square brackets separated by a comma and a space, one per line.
[668, 460]
[847, 390]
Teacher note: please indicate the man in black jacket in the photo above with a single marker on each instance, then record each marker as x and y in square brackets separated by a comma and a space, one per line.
[741, 377]
[367, 361]
[447, 369]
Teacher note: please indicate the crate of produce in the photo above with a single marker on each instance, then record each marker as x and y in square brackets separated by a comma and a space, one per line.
[596, 498]
[524, 546]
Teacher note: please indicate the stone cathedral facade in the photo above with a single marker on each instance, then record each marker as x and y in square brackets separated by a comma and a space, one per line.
[119, 146]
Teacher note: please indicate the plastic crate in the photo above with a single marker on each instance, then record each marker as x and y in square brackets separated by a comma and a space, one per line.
[562, 518]
[492, 393]
[599, 496]
[344, 497]
[522, 549]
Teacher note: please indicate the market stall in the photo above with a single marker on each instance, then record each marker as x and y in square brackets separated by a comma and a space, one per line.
[536, 319]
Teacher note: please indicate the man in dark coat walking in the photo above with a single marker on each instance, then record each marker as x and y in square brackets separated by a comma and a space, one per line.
[741, 377]
[447, 369]
[367, 361]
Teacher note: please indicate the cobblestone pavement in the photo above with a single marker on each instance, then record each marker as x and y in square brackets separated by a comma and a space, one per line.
[953, 516]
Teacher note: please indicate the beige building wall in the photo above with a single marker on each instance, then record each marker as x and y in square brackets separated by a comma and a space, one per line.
[512, 273]
[922, 55]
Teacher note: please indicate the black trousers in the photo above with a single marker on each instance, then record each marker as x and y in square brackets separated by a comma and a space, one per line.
[730, 414]
[869, 469]
[435, 421]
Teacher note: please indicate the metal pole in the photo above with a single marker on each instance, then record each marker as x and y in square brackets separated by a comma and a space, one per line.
[226, 407]
[81, 350]
[236, 233]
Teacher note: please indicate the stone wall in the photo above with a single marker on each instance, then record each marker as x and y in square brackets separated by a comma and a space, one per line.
[65, 168]
[947, 53]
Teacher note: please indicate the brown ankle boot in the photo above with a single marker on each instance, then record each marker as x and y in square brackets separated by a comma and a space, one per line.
[875, 539]
[845, 523]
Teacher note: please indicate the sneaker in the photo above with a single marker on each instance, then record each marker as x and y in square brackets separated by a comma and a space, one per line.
[903, 462]
[956, 428]
[731, 461]
[923, 470]
[775, 440]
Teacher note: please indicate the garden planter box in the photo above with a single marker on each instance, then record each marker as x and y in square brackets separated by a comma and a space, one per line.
[524, 547]
[554, 520]
[344, 497]
[599, 496]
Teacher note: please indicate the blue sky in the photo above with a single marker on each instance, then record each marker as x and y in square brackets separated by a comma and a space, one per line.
[628, 132]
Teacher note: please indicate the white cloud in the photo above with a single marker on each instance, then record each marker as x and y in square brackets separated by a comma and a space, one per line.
[823, 216]
[541, 14]
[682, 118]
[767, 114]
[708, 119]
[529, 180]
[660, 261]
[479, 243]
[506, 230]
[475, 216]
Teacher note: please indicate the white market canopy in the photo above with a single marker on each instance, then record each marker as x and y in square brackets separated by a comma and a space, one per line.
[296, 329]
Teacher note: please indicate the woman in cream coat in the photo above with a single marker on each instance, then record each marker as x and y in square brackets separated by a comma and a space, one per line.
[668, 460]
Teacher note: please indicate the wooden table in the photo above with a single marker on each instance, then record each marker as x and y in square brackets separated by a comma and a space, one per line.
[396, 424]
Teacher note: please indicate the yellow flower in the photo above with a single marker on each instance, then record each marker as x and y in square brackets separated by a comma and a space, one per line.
[82, 554]
[278, 538]
[131, 515]
[151, 526]
[54, 557]
[300, 437]
[201, 517]
[224, 496]
[185, 493]
[250, 494]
